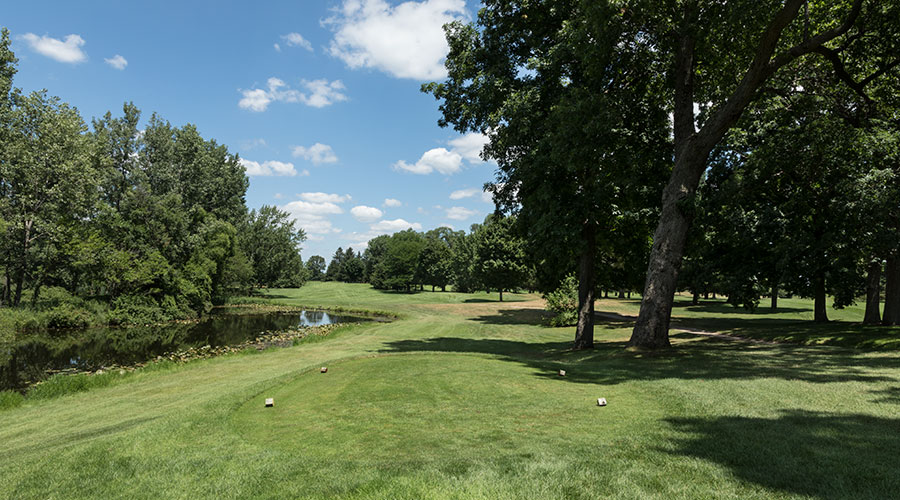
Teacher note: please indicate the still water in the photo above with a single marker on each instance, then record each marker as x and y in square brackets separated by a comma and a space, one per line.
[37, 354]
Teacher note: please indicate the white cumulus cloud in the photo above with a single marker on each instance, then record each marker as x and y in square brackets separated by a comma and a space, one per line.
[117, 62]
[319, 197]
[318, 94]
[460, 213]
[318, 153]
[363, 213]
[392, 202]
[464, 193]
[268, 168]
[469, 146]
[313, 216]
[67, 50]
[405, 40]
[296, 40]
[392, 226]
[437, 159]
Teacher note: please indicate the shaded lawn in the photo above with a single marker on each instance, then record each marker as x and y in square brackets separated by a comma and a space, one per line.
[791, 322]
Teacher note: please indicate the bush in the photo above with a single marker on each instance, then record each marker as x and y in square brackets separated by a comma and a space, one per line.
[68, 316]
[10, 399]
[564, 302]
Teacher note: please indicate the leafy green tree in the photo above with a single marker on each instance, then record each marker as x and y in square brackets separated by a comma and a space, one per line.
[396, 269]
[433, 267]
[47, 182]
[272, 244]
[316, 267]
[499, 255]
[708, 44]
[462, 262]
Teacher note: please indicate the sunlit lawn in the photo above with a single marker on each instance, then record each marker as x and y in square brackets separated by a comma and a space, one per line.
[461, 399]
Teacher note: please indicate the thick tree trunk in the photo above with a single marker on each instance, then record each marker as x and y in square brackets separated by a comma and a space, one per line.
[501, 294]
[873, 294]
[621, 294]
[821, 313]
[584, 332]
[774, 298]
[605, 294]
[892, 291]
[432, 288]
[695, 299]
[692, 149]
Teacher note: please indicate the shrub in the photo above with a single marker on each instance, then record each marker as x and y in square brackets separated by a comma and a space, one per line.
[564, 302]
[10, 399]
[68, 316]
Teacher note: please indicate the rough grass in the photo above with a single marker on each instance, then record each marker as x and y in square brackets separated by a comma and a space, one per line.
[460, 399]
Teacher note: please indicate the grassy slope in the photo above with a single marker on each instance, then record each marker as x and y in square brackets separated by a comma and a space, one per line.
[460, 399]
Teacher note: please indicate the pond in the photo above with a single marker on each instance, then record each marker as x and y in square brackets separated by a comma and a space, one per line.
[37, 354]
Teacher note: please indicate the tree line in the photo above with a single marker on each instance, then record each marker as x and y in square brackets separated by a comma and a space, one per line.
[490, 257]
[149, 223]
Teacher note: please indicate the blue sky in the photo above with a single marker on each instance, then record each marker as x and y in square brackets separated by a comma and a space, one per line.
[320, 99]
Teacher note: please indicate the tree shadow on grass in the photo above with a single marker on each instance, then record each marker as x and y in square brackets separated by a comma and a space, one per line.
[835, 333]
[523, 316]
[495, 300]
[890, 395]
[698, 358]
[819, 455]
[725, 308]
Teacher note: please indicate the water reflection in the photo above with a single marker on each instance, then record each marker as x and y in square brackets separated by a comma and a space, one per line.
[35, 355]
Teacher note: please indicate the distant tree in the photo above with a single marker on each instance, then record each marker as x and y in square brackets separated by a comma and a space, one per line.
[272, 244]
[462, 262]
[433, 267]
[334, 267]
[499, 255]
[316, 267]
[397, 268]
[353, 268]
[373, 256]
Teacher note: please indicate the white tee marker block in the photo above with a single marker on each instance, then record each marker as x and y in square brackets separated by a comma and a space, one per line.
[270, 402]
[601, 401]
[324, 369]
[562, 373]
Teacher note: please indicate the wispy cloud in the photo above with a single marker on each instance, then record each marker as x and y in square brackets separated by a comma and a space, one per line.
[296, 40]
[318, 94]
[117, 62]
[318, 153]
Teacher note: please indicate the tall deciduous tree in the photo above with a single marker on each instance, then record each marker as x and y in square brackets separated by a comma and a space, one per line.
[46, 180]
[722, 54]
[567, 93]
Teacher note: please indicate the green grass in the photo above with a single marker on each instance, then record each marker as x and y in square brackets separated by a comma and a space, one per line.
[791, 322]
[460, 399]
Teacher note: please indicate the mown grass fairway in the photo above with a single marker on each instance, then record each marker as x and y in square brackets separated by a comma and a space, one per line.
[460, 399]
